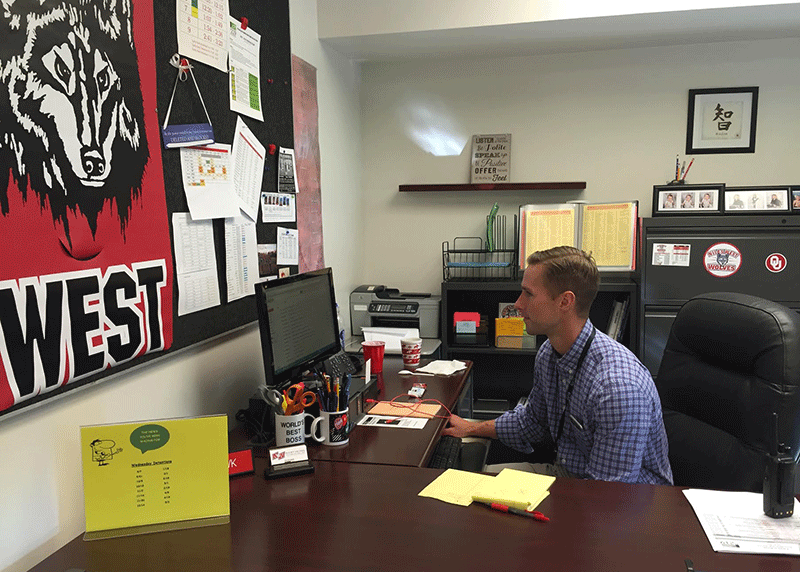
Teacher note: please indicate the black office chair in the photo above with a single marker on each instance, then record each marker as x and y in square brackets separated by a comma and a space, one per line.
[730, 362]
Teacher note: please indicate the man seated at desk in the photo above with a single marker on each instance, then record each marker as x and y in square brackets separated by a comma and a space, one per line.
[590, 396]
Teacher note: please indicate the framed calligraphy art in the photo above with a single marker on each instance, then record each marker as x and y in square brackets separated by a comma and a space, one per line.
[722, 120]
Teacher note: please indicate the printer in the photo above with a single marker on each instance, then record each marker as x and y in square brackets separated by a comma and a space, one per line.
[379, 306]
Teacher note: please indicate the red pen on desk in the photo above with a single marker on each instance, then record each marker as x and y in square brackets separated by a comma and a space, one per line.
[534, 514]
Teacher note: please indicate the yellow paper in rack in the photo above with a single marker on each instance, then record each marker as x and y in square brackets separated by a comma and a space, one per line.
[546, 228]
[455, 487]
[153, 472]
[518, 489]
[608, 233]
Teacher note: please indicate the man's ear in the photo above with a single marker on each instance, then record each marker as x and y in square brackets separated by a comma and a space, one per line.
[567, 300]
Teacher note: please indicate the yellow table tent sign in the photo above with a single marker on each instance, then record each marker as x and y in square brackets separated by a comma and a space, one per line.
[155, 475]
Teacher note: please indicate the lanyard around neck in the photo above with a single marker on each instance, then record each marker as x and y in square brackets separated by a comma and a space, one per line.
[571, 385]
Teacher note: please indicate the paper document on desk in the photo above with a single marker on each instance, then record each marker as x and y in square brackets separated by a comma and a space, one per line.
[398, 422]
[443, 367]
[405, 409]
[390, 336]
[517, 489]
[735, 522]
[454, 486]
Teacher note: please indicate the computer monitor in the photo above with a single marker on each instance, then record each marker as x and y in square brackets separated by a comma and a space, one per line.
[298, 323]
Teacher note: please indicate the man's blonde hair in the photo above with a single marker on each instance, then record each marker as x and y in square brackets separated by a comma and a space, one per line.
[568, 268]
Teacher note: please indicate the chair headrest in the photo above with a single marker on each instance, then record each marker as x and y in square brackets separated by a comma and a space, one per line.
[743, 333]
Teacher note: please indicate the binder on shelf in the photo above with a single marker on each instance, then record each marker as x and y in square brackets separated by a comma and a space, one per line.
[607, 230]
[617, 320]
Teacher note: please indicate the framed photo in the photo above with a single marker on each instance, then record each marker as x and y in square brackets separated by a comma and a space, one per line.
[795, 190]
[722, 120]
[509, 310]
[669, 200]
[762, 200]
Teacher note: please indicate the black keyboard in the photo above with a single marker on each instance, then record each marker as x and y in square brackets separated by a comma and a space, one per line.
[446, 454]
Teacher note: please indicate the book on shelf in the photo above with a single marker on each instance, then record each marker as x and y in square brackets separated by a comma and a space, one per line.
[606, 230]
[618, 319]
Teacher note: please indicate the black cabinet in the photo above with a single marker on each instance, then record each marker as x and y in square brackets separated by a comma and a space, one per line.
[686, 256]
[503, 375]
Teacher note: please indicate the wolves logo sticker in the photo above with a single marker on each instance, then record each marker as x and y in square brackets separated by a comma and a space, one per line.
[88, 280]
[722, 260]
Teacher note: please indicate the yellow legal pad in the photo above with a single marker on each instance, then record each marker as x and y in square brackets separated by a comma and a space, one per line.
[510, 487]
[155, 475]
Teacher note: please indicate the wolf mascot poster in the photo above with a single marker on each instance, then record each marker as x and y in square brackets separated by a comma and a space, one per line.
[86, 277]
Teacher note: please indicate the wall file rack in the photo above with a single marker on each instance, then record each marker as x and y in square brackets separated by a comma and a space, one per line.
[468, 259]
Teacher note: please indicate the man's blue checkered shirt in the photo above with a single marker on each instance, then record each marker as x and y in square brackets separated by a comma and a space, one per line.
[614, 399]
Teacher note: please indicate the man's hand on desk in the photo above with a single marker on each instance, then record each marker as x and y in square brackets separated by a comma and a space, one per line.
[459, 427]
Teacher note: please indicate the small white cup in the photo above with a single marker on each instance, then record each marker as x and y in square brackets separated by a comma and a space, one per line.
[412, 349]
[291, 430]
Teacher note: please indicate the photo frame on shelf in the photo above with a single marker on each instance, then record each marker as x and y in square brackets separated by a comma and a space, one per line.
[795, 190]
[722, 120]
[761, 200]
[697, 200]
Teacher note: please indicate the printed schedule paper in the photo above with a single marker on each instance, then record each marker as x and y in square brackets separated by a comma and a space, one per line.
[735, 522]
[155, 475]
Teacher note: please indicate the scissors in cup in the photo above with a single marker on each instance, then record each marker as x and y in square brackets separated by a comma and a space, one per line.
[297, 398]
[273, 398]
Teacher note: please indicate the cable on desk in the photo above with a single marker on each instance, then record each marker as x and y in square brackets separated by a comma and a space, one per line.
[413, 407]
[253, 426]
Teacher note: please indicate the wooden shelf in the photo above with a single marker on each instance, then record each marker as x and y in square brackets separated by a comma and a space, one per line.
[573, 186]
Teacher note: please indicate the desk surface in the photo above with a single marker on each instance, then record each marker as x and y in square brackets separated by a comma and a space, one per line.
[355, 516]
[393, 446]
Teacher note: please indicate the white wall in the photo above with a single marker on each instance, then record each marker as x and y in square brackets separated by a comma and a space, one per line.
[615, 119]
[41, 505]
[338, 82]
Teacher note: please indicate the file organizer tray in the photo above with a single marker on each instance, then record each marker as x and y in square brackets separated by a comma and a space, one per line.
[477, 263]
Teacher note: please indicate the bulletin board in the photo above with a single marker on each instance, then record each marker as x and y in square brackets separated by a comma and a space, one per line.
[74, 246]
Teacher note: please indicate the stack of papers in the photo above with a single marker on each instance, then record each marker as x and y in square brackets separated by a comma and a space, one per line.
[510, 487]
[443, 367]
[735, 522]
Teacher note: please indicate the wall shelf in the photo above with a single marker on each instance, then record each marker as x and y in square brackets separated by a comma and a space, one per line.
[573, 186]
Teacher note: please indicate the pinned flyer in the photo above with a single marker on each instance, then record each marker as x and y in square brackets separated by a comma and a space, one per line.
[189, 134]
[287, 171]
[155, 475]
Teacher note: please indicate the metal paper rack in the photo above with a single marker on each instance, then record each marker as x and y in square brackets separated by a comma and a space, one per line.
[469, 260]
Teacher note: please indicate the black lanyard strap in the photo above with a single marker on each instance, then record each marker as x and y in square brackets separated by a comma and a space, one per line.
[571, 385]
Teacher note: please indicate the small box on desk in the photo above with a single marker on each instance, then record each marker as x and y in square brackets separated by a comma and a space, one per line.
[466, 322]
[508, 328]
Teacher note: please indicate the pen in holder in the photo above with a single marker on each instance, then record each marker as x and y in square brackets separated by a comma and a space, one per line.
[334, 420]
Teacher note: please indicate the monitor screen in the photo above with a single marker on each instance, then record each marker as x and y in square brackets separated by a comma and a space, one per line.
[298, 323]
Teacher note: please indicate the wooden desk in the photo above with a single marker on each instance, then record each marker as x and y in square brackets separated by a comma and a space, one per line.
[383, 445]
[355, 516]
[388, 446]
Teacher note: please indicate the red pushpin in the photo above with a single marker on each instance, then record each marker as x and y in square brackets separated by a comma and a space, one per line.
[269, 81]
[244, 23]
[271, 148]
[184, 63]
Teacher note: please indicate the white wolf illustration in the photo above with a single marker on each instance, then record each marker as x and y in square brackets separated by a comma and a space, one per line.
[71, 112]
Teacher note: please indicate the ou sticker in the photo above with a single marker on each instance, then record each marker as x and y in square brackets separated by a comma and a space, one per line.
[775, 262]
[722, 260]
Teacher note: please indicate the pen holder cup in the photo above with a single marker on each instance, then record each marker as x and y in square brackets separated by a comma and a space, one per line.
[334, 428]
[291, 430]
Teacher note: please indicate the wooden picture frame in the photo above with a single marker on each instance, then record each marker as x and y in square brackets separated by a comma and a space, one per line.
[697, 200]
[758, 199]
[722, 120]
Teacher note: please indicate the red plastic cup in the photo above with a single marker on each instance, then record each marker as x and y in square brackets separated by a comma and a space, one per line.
[373, 350]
